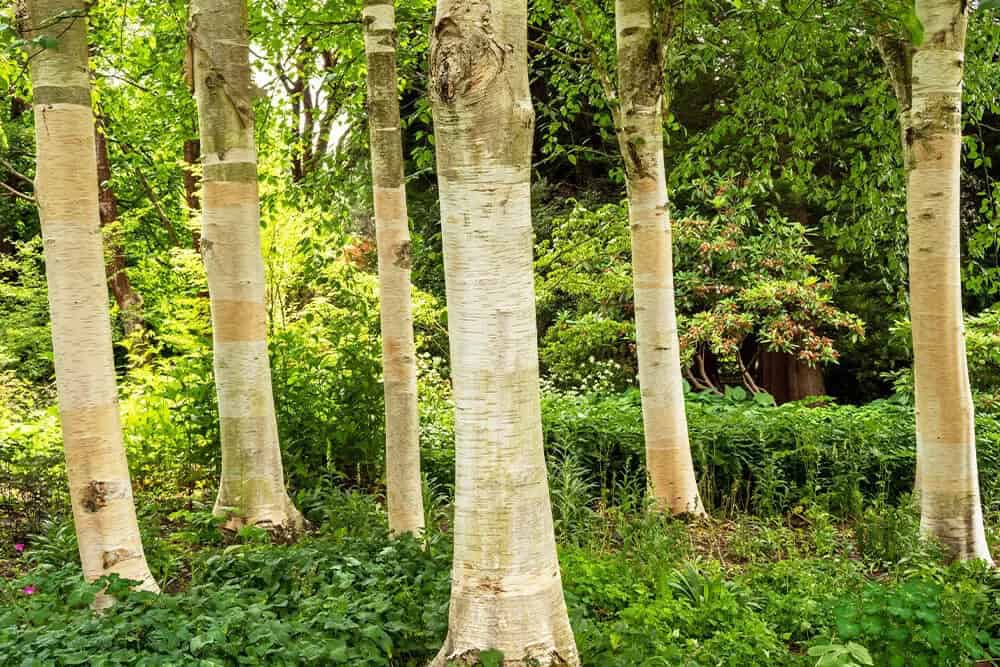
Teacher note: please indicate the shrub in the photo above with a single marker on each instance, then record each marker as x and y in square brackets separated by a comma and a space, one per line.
[746, 281]
[32, 473]
[764, 459]
[327, 601]
[25, 340]
[923, 622]
[699, 618]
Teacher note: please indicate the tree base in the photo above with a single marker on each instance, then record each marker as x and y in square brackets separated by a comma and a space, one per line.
[545, 658]
[104, 601]
[530, 629]
[285, 524]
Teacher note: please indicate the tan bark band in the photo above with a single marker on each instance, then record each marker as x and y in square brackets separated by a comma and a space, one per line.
[236, 321]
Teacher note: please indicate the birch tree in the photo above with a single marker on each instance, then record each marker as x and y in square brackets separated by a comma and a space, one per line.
[636, 107]
[927, 80]
[506, 587]
[399, 361]
[640, 137]
[67, 191]
[252, 489]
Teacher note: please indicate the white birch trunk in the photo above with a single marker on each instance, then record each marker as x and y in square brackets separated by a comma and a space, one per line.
[252, 489]
[399, 361]
[506, 586]
[100, 488]
[951, 511]
[640, 82]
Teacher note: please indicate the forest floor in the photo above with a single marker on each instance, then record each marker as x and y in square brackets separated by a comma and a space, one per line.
[641, 589]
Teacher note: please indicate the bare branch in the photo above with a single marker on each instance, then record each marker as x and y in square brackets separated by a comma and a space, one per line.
[18, 193]
[14, 171]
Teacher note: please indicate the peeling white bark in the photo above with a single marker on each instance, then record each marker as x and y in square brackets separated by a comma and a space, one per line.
[399, 359]
[66, 185]
[252, 488]
[951, 510]
[506, 586]
[668, 451]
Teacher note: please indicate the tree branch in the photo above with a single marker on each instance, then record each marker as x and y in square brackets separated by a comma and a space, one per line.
[897, 54]
[18, 193]
[557, 53]
[14, 171]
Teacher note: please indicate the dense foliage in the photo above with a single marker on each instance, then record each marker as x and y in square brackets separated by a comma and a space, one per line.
[782, 147]
[641, 591]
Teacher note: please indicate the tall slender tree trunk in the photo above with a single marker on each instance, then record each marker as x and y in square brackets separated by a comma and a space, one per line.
[252, 490]
[951, 511]
[128, 300]
[640, 82]
[506, 587]
[399, 360]
[66, 186]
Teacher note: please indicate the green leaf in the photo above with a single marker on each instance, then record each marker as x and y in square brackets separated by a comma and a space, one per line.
[80, 598]
[987, 5]
[833, 658]
[764, 399]
[737, 394]
[860, 653]
[491, 658]
[914, 28]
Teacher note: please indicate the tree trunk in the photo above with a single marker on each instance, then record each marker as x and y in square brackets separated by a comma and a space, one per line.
[506, 588]
[399, 360]
[787, 378]
[951, 511]
[128, 300]
[66, 186]
[252, 490]
[804, 380]
[640, 82]
[192, 155]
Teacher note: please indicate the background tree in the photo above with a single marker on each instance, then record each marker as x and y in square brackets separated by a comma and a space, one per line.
[640, 139]
[506, 587]
[128, 300]
[392, 226]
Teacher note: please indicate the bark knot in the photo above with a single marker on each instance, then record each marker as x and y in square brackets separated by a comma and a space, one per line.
[403, 255]
[96, 495]
[637, 167]
[465, 57]
[111, 558]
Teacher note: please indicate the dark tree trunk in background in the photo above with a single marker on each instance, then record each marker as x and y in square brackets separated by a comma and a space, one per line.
[789, 379]
[17, 107]
[192, 156]
[128, 300]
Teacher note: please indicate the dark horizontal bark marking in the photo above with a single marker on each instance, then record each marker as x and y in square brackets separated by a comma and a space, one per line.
[233, 171]
[62, 95]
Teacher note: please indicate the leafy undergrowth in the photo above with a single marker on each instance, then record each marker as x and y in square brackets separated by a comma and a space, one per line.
[642, 590]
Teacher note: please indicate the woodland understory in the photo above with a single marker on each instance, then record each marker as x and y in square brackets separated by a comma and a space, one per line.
[500, 332]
